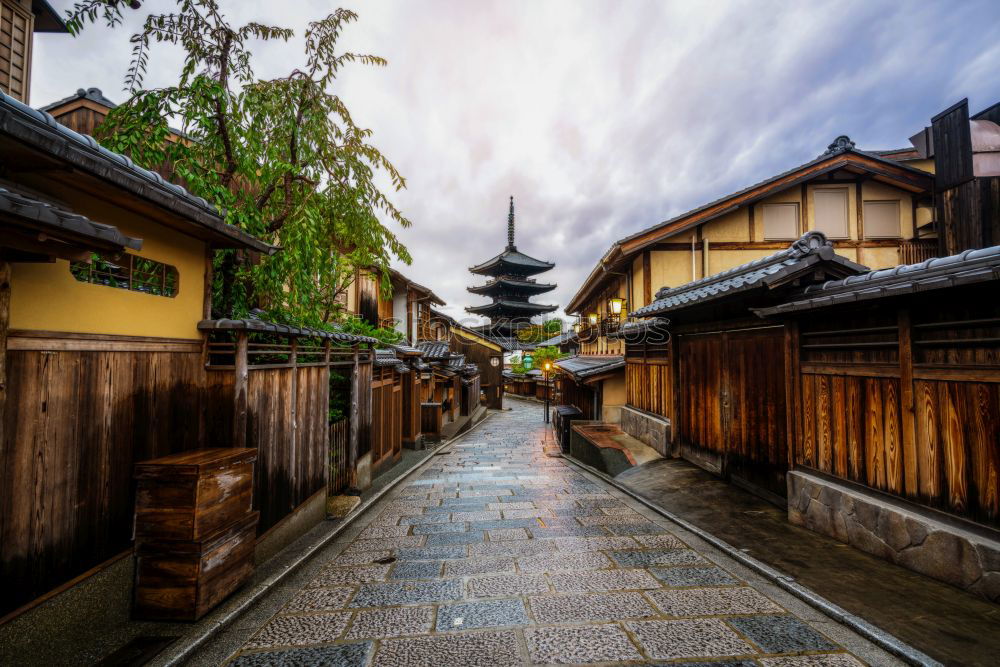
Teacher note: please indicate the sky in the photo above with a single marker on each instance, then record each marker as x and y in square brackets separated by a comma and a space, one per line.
[600, 117]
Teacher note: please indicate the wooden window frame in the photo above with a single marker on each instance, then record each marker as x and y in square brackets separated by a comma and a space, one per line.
[899, 224]
[847, 211]
[165, 278]
[798, 221]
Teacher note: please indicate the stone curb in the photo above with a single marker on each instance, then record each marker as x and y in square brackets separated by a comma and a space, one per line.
[872, 633]
[184, 648]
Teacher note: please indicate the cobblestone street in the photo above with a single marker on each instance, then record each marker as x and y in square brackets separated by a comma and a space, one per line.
[496, 554]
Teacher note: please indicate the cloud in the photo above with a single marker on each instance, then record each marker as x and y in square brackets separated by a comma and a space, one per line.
[600, 117]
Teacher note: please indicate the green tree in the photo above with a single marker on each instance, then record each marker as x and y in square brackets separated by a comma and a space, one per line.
[537, 333]
[283, 157]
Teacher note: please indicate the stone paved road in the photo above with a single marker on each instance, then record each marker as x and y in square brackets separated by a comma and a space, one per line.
[495, 554]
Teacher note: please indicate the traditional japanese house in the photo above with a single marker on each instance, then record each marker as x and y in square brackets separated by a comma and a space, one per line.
[511, 286]
[875, 208]
[480, 349]
[19, 20]
[870, 399]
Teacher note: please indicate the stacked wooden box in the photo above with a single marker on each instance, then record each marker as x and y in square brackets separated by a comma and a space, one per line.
[195, 531]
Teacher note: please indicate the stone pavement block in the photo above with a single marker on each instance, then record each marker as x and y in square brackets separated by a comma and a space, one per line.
[318, 599]
[600, 607]
[333, 577]
[657, 557]
[435, 528]
[829, 660]
[577, 544]
[384, 543]
[384, 531]
[693, 576]
[564, 562]
[359, 558]
[712, 601]
[435, 517]
[446, 539]
[648, 528]
[506, 585]
[781, 634]
[410, 592]
[512, 506]
[476, 516]
[598, 643]
[481, 565]
[660, 542]
[299, 630]
[511, 548]
[433, 553]
[569, 531]
[508, 534]
[416, 569]
[703, 638]
[393, 622]
[341, 655]
[598, 581]
[488, 614]
[474, 649]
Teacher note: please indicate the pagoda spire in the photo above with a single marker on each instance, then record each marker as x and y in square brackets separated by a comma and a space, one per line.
[510, 225]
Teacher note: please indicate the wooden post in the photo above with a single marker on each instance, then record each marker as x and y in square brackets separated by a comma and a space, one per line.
[326, 402]
[860, 211]
[352, 443]
[293, 407]
[240, 391]
[792, 395]
[4, 327]
[206, 307]
[906, 404]
[753, 226]
[647, 279]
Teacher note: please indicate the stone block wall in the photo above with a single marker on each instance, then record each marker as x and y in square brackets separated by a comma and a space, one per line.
[648, 429]
[891, 530]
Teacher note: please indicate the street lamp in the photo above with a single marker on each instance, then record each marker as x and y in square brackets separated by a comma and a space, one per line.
[546, 367]
[616, 305]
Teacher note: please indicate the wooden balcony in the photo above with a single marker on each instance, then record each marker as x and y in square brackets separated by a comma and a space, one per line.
[916, 251]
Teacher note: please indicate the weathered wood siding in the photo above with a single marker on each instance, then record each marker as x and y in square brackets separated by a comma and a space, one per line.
[648, 379]
[80, 420]
[287, 415]
[387, 416]
[907, 402]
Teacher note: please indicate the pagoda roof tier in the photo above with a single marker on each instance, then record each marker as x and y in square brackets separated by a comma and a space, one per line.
[512, 262]
[507, 285]
[506, 308]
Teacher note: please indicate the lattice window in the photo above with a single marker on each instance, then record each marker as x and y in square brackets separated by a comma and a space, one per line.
[130, 272]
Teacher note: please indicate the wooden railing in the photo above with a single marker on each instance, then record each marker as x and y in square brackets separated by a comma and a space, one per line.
[339, 470]
[914, 252]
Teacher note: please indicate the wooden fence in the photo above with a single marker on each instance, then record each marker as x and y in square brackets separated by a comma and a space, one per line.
[89, 407]
[907, 402]
[387, 417]
[340, 471]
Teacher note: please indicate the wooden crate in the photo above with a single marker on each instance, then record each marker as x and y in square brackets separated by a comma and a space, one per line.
[182, 580]
[193, 494]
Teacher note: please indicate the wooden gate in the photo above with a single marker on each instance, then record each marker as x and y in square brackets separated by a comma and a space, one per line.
[387, 416]
[732, 403]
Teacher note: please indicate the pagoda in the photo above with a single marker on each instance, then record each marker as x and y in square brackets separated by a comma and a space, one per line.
[511, 286]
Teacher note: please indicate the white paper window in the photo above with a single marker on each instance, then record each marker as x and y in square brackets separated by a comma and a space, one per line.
[781, 221]
[831, 212]
[882, 219]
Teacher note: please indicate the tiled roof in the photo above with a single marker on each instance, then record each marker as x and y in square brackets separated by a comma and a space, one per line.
[586, 365]
[803, 253]
[282, 329]
[518, 260]
[561, 339]
[633, 330]
[508, 305]
[60, 223]
[387, 358]
[40, 131]
[433, 350]
[92, 94]
[971, 266]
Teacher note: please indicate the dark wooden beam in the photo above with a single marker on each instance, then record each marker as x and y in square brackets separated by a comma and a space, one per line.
[4, 328]
[240, 397]
[647, 279]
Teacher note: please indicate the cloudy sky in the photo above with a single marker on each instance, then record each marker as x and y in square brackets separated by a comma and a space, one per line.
[600, 117]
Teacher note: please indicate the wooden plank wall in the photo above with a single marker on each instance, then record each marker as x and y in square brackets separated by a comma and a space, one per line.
[287, 422]
[387, 415]
[491, 376]
[908, 402]
[648, 379]
[81, 420]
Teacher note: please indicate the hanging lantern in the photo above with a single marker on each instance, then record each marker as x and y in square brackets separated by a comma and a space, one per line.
[528, 361]
[592, 318]
[616, 305]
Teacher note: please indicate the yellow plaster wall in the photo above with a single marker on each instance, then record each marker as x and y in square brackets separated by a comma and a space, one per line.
[733, 226]
[670, 268]
[877, 258]
[46, 297]
[612, 398]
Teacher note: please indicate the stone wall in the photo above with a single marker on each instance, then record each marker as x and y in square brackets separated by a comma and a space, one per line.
[649, 429]
[898, 532]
